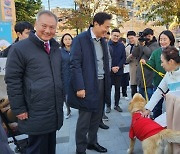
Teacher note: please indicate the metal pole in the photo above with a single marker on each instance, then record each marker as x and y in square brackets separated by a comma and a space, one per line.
[75, 8]
[49, 4]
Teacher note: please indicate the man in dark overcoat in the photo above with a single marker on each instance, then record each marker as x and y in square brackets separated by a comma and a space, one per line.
[89, 81]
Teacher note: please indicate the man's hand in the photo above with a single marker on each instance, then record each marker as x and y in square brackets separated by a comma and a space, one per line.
[22, 116]
[146, 113]
[143, 61]
[115, 69]
[130, 56]
[81, 93]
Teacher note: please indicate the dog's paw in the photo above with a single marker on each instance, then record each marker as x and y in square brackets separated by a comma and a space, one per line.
[129, 151]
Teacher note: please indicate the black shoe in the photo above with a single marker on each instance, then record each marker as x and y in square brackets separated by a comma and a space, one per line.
[117, 108]
[96, 147]
[103, 126]
[80, 152]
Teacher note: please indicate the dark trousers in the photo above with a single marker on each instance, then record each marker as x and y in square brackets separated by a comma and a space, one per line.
[133, 90]
[67, 105]
[88, 123]
[149, 92]
[124, 91]
[158, 108]
[117, 83]
[42, 144]
[107, 98]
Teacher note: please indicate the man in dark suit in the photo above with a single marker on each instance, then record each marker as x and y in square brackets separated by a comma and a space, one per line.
[117, 68]
[89, 81]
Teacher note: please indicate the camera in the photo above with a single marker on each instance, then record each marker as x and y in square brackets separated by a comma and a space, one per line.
[142, 37]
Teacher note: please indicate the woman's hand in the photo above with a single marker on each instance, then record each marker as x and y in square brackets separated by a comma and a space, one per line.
[146, 113]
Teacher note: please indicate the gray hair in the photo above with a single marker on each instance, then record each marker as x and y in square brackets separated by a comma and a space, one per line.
[48, 13]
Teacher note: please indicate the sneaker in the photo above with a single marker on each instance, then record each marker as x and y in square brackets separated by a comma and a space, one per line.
[105, 118]
[108, 110]
[117, 108]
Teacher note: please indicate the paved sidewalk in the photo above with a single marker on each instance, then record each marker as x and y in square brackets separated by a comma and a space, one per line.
[115, 139]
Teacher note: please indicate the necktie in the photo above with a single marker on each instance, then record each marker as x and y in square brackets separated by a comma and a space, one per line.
[46, 46]
[131, 49]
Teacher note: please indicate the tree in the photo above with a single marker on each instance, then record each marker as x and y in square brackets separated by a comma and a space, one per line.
[26, 10]
[81, 17]
[163, 12]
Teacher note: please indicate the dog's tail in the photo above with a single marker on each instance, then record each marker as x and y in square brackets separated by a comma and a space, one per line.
[170, 136]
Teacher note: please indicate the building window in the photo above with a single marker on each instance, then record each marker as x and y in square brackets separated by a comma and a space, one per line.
[130, 14]
[121, 2]
[130, 4]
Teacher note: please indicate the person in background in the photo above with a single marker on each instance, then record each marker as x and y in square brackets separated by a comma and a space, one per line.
[107, 36]
[170, 61]
[90, 81]
[133, 61]
[22, 30]
[125, 76]
[123, 40]
[66, 42]
[108, 97]
[166, 38]
[179, 45]
[143, 50]
[34, 85]
[118, 61]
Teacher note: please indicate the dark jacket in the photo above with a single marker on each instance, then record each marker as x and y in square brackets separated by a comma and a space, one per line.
[144, 52]
[66, 68]
[155, 62]
[118, 56]
[84, 75]
[34, 85]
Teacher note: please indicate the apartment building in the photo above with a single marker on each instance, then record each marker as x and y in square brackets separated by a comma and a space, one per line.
[135, 23]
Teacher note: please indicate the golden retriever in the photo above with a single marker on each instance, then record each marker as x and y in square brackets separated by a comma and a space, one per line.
[156, 140]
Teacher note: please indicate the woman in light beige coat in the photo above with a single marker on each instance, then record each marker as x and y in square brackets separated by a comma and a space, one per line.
[133, 61]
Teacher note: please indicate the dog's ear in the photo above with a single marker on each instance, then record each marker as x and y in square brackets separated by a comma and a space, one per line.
[143, 100]
[130, 107]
